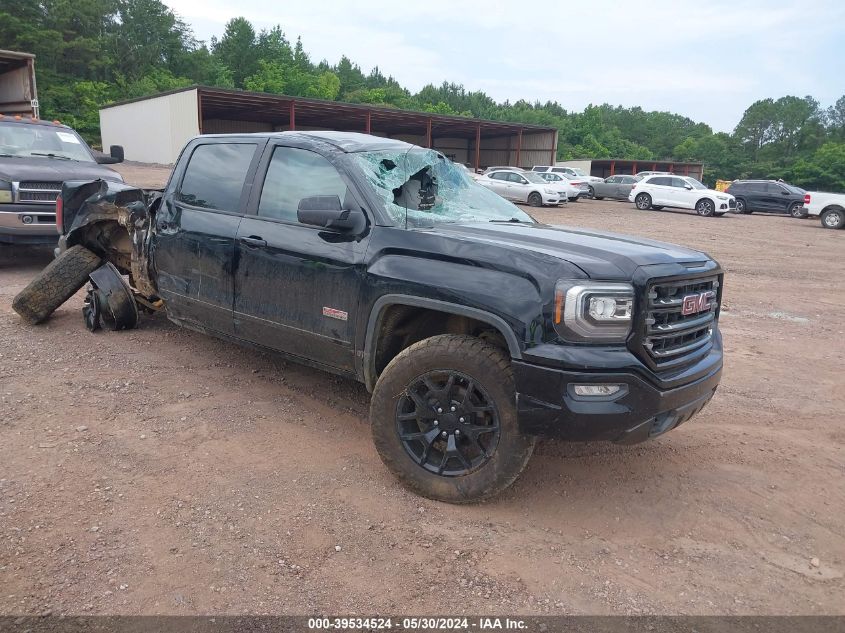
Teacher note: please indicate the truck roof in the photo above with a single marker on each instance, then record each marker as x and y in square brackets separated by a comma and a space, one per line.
[349, 142]
[8, 118]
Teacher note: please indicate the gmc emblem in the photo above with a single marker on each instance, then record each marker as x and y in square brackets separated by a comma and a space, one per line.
[697, 303]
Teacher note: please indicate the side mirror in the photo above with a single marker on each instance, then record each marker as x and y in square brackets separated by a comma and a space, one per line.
[688, 187]
[116, 152]
[116, 156]
[327, 212]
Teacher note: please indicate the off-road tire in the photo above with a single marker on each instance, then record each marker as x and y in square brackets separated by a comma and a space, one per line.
[535, 199]
[489, 367]
[55, 284]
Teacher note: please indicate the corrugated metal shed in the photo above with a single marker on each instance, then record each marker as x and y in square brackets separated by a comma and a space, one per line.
[153, 129]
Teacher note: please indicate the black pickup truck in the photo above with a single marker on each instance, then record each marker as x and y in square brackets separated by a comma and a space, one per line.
[475, 327]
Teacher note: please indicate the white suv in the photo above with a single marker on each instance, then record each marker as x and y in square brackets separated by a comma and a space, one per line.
[682, 192]
[520, 186]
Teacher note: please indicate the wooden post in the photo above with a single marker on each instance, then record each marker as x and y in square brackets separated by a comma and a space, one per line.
[428, 133]
[612, 167]
[477, 146]
[292, 115]
[519, 148]
[368, 126]
[634, 168]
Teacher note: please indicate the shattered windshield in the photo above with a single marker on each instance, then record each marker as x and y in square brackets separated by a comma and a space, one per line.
[420, 188]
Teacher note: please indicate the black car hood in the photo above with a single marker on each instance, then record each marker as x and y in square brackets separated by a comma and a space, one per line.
[599, 254]
[53, 169]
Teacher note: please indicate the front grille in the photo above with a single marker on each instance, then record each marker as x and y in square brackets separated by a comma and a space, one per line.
[671, 338]
[732, 203]
[38, 191]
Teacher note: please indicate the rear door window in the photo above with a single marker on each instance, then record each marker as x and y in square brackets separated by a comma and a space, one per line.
[661, 181]
[215, 175]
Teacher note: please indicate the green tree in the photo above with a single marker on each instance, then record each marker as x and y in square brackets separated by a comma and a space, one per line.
[236, 50]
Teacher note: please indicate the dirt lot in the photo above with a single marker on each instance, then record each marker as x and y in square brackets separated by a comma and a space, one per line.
[161, 471]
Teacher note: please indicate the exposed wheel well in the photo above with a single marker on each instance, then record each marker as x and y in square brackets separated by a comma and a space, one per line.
[831, 207]
[400, 326]
[109, 239]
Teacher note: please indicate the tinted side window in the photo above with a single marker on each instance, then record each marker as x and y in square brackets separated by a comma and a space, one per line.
[214, 178]
[660, 180]
[295, 174]
[498, 175]
[756, 187]
[679, 183]
[774, 188]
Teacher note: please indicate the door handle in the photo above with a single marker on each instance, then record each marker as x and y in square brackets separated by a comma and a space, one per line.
[254, 241]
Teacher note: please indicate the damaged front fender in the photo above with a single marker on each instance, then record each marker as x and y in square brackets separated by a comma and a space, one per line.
[114, 220]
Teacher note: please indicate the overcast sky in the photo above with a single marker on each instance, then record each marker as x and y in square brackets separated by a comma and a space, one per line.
[706, 60]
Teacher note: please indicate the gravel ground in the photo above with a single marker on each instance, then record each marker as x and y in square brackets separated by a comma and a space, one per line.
[162, 471]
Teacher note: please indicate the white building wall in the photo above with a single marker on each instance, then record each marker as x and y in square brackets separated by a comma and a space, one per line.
[153, 130]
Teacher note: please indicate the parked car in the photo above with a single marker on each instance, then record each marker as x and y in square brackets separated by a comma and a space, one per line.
[475, 327]
[35, 158]
[573, 173]
[828, 207]
[767, 196]
[643, 174]
[520, 186]
[500, 167]
[681, 192]
[568, 190]
[615, 187]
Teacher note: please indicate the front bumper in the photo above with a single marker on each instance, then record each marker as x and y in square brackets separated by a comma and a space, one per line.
[548, 406]
[551, 198]
[28, 224]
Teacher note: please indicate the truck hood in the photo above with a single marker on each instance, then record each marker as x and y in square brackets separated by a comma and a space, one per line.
[601, 255]
[53, 169]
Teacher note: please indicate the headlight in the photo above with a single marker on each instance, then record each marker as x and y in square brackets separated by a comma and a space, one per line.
[593, 311]
[721, 197]
[5, 191]
[550, 191]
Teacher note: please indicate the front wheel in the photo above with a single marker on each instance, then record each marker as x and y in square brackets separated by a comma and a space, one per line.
[656, 207]
[535, 200]
[833, 219]
[643, 201]
[444, 421]
[741, 206]
[705, 208]
[592, 193]
[797, 210]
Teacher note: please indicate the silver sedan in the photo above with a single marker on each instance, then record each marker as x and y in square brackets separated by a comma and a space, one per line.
[614, 187]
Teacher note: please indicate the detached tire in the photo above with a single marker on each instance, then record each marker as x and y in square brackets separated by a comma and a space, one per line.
[443, 418]
[55, 284]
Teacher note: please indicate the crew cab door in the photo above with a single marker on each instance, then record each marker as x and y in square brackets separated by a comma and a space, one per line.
[297, 286]
[195, 229]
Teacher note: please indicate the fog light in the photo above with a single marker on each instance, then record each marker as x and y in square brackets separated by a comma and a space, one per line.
[596, 390]
[27, 219]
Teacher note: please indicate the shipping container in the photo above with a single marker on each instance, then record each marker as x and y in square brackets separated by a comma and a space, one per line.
[18, 94]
